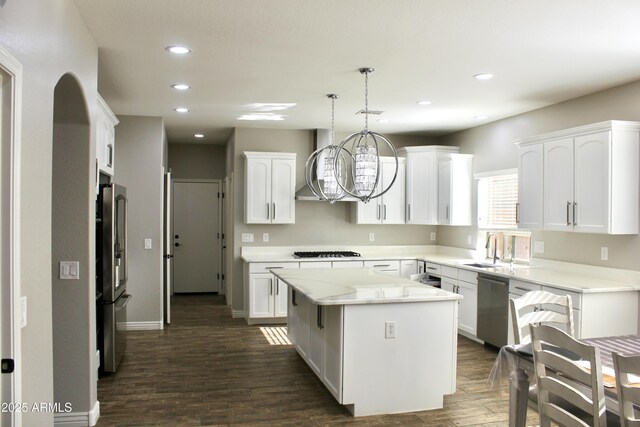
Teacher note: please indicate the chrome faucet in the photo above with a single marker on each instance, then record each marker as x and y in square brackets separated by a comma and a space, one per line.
[495, 246]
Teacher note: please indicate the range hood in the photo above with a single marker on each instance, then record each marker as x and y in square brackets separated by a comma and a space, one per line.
[323, 139]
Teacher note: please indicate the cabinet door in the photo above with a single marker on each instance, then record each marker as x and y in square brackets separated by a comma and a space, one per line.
[468, 313]
[460, 179]
[316, 349]
[592, 182]
[261, 302]
[303, 327]
[422, 189]
[283, 189]
[558, 184]
[333, 350]
[370, 212]
[449, 284]
[444, 191]
[530, 181]
[393, 205]
[409, 267]
[280, 298]
[257, 191]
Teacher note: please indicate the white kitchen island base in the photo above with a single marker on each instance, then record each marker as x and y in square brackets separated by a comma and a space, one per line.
[340, 325]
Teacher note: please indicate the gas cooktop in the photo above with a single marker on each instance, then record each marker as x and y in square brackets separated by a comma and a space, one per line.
[325, 254]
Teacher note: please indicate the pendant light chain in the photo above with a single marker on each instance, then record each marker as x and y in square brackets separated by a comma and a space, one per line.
[333, 127]
[366, 101]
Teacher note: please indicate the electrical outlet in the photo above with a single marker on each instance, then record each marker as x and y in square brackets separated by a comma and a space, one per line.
[265, 237]
[247, 237]
[390, 329]
[538, 247]
[23, 312]
[147, 243]
[604, 253]
[433, 235]
[372, 237]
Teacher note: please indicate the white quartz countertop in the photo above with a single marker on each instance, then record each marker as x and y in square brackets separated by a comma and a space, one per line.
[358, 286]
[562, 275]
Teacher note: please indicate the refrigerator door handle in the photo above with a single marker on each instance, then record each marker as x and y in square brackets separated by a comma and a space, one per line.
[124, 199]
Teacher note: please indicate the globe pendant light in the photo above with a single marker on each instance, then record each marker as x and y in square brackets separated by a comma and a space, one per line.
[365, 167]
[327, 165]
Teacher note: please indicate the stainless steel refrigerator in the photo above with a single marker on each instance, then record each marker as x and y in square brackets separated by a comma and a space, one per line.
[111, 280]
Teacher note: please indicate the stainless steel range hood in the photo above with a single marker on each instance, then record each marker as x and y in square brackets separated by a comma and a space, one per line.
[323, 139]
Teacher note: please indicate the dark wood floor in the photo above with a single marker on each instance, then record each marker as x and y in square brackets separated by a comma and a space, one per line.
[209, 369]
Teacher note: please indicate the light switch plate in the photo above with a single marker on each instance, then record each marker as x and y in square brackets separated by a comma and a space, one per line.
[372, 237]
[604, 253]
[265, 237]
[433, 235]
[147, 243]
[23, 312]
[70, 270]
[247, 237]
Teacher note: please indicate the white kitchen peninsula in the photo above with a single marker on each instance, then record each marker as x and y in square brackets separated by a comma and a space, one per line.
[380, 344]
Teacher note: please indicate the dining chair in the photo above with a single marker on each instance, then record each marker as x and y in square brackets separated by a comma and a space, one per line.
[578, 386]
[540, 307]
[628, 390]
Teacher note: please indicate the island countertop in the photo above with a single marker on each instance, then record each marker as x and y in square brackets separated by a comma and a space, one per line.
[358, 286]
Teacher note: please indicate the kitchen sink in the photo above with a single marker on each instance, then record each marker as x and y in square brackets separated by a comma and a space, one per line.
[481, 265]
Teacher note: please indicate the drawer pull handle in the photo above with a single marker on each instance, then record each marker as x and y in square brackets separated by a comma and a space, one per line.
[381, 265]
[523, 289]
[273, 268]
[432, 268]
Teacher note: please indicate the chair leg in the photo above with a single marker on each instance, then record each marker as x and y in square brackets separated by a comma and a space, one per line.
[518, 398]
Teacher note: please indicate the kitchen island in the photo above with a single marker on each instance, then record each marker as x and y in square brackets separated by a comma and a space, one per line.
[380, 344]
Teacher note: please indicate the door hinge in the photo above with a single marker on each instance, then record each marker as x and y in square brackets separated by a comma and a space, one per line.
[222, 276]
[218, 276]
[222, 236]
[7, 366]
[218, 194]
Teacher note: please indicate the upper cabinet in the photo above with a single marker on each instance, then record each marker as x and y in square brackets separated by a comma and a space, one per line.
[590, 179]
[269, 188]
[388, 208]
[106, 122]
[454, 189]
[422, 182]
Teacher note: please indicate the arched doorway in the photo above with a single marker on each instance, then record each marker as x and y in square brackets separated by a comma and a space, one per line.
[72, 228]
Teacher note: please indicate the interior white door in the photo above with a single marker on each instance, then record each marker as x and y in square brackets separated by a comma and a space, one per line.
[168, 252]
[196, 236]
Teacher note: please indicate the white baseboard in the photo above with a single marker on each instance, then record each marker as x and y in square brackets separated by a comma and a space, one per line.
[94, 414]
[142, 326]
[237, 314]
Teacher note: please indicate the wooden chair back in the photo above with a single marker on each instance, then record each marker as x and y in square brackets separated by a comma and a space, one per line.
[558, 376]
[540, 307]
[628, 391]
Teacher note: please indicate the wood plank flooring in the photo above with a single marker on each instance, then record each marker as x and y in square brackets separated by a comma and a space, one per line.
[208, 369]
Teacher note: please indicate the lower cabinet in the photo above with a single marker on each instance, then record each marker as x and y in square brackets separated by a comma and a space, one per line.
[465, 283]
[265, 295]
[391, 268]
[316, 332]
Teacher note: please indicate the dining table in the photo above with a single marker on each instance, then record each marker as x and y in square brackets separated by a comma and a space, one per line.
[518, 361]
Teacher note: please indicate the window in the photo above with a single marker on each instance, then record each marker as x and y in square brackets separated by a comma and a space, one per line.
[497, 199]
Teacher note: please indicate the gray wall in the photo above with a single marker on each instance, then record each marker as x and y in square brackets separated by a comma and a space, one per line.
[197, 161]
[316, 223]
[50, 39]
[494, 149]
[139, 150]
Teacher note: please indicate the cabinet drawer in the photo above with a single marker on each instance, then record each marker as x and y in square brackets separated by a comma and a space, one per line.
[347, 264]
[519, 287]
[576, 297]
[263, 267]
[468, 276]
[449, 272]
[432, 268]
[383, 265]
[318, 264]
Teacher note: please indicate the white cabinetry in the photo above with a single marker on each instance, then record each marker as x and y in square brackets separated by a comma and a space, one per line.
[388, 208]
[265, 294]
[529, 213]
[422, 182]
[465, 283]
[105, 137]
[454, 189]
[270, 180]
[409, 267]
[590, 179]
[391, 268]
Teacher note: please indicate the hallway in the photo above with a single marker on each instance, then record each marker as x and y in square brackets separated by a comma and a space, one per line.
[209, 369]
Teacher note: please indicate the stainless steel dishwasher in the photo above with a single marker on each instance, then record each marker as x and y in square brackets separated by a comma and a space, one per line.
[493, 309]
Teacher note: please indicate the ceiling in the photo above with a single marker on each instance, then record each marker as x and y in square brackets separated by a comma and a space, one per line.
[297, 51]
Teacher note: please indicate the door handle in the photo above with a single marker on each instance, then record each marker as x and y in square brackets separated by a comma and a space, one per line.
[409, 212]
[177, 236]
[268, 211]
[575, 222]
[270, 286]
[385, 212]
[568, 205]
[517, 213]
[378, 212]
[176, 244]
[274, 211]
[319, 319]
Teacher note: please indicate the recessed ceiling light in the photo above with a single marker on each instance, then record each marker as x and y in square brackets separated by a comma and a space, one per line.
[182, 110]
[424, 102]
[482, 117]
[483, 76]
[180, 50]
[181, 86]
[261, 116]
[384, 120]
[199, 135]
